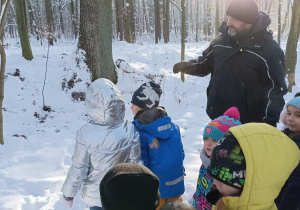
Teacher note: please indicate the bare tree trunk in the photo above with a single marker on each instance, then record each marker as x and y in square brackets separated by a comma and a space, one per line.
[132, 22]
[23, 30]
[208, 19]
[2, 75]
[4, 8]
[77, 16]
[127, 22]
[279, 22]
[166, 20]
[217, 21]
[31, 17]
[74, 25]
[120, 30]
[38, 21]
[146, 17]
[183, 31]
[286, 17]
[11, 19]
[49, 18]
[197, 21]
[157, 21]
[204, 22]
[96, 38]
[291, 50]
[117, 19]
[61, 19]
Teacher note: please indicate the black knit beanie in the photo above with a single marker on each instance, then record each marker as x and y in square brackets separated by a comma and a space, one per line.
[227, 162]
[147, 96]
[129, 186]
[243, 10]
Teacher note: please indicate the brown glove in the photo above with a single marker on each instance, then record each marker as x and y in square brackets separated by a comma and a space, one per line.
[180, 67]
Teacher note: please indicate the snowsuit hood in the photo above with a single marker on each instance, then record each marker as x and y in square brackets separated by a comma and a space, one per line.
[154, 122]
[104, 103]
[270, 158]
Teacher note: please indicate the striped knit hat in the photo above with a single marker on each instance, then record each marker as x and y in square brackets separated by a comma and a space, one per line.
[219, 126]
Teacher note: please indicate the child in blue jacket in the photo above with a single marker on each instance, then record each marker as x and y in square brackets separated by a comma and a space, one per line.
[161, 146]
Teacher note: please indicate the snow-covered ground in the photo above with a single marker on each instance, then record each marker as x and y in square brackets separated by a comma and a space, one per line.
[38, 146]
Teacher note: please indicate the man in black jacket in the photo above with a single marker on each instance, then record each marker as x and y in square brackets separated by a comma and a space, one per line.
[246, 66]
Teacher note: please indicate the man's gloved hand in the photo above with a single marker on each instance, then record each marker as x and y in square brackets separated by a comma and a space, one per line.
[68, 201]
[180, 67]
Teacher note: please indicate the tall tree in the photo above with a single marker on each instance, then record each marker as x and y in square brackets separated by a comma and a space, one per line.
[217, 21]
[3, 8]
[61, 18]
[157, 21]
[166, 20]
[132, 21]
[279, 22]
[31, 17]
[120, 23]
[74, 18]
[197, 21]
[291, 49]
[49, 19]
[95, 38]
[23, 30]
[127, 22]
[183, 31]
[287, 11]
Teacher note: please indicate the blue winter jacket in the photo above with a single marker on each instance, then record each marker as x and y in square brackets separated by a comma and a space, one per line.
[162, 150]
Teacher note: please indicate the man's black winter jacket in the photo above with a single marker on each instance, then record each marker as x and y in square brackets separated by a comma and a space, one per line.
[249, 75]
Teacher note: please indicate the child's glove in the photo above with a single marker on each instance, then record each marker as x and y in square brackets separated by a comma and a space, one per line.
[68, 201]
[213, 195]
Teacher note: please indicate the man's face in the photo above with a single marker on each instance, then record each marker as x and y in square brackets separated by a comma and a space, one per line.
[238, 28]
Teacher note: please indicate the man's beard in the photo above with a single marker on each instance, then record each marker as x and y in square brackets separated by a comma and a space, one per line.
[239, 34]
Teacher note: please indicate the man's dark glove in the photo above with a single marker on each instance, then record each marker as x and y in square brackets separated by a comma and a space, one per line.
[180, 67]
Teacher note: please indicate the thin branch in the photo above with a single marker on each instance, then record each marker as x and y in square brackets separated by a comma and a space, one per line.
[176, 5]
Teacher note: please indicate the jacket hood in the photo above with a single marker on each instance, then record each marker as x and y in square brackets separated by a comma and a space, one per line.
[104, 103]
[262, 23]
[266, 172]
[161, 128]
[148, 116]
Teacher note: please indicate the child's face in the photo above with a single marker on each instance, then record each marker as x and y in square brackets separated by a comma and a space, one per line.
[226, 190]
[293, 118]
[135, 109]
[209, 144]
